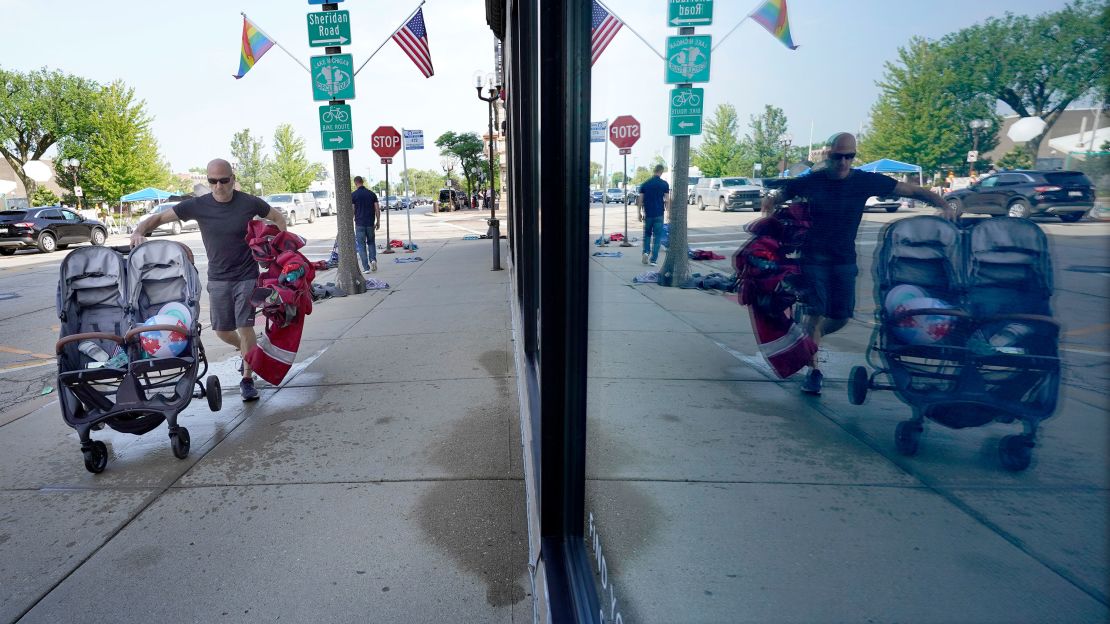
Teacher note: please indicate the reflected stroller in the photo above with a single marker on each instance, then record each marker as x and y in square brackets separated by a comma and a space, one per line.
[965, 332]
[103, 302]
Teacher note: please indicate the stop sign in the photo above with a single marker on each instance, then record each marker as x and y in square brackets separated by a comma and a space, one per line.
[386, 141]
[624, 131]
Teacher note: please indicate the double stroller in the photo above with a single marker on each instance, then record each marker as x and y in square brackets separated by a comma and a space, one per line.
[965, 333]
[129, 351]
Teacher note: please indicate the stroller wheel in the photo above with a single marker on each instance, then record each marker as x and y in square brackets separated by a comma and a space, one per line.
[858, 381]
[96, 457]
[906, 437]
[1015, 452]
[179, 441]
[212, 391]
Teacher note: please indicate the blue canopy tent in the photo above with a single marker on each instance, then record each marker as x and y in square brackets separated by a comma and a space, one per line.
[886, 165]
[148, 194]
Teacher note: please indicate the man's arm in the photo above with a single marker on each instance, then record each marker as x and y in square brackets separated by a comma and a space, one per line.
[779, 196]
[377, 216]
[276, 216]
[640, 205]
[908, 189]
[146, 226]
[667, 202]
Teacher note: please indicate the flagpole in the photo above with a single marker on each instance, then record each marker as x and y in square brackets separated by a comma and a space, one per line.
[403, 22]
[299, 62]
[661, 57]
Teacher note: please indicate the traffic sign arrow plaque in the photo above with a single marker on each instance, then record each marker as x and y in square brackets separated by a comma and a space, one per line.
[336, 128]
[682, 13]
[686, 111]
[329, 28]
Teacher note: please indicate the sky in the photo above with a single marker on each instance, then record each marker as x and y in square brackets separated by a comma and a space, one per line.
[180, 58]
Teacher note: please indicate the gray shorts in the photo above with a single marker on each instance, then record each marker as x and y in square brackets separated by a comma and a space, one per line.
[230, 304]
[832, 289]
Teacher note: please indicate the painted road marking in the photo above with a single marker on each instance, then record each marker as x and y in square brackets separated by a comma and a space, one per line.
[14, 351]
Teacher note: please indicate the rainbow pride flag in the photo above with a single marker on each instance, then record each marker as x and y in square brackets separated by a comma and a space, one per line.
[255, 44]
[772, 16]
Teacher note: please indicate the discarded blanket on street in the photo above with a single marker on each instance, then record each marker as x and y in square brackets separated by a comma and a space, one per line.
[647, 277]
[616, 236]
[396, 243]
[376, 284]
[284, 292]
[406, 260]
[704, 254]
[770, 282]
[713, 281]
[608, 254]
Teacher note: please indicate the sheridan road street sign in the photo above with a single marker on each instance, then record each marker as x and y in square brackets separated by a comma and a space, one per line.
[329, 28]
[683, 13]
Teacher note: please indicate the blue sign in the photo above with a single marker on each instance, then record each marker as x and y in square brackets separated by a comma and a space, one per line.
[324, 1]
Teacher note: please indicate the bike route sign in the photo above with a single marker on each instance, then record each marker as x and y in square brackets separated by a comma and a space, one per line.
[686, 111]
[336, 131]
[333, 77]
[688, 58]
[683, 13]
[329, 28]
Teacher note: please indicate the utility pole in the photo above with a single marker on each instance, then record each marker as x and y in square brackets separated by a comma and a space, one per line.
[676, 266]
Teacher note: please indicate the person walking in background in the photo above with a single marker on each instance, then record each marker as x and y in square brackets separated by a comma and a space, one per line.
[223, 216]
[653, 203]
[837, 195]
[368, 217]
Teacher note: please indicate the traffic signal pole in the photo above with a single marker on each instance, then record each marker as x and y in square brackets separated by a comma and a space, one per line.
[388, 248]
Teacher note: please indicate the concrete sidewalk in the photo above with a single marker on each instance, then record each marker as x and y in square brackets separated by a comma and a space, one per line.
[722, 494]
[381, 482]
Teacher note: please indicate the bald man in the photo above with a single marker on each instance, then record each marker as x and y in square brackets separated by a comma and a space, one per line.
[837, 195]
[223, 216]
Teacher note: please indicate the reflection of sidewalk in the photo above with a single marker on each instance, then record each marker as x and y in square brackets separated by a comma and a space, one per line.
[381, 482]
[777, 506]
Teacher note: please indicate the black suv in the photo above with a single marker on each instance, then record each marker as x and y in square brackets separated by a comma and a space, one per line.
[1065, 194]
[48, 228]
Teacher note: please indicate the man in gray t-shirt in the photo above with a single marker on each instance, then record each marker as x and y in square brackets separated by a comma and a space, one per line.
[223, 216]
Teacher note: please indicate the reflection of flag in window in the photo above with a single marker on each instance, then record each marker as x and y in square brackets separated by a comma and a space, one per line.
[772, 16]
[605, 27]
[413, 39]
[255, 44]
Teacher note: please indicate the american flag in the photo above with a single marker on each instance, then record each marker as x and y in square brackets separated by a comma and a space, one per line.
[413, 39]
[605, 27]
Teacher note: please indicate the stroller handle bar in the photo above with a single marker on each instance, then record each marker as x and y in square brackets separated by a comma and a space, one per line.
[1030, 318]
[86, 336]
[904, 314]
[130, 335]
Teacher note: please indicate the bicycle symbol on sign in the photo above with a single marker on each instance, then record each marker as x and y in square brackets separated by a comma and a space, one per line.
[686, 98]
[336, 115]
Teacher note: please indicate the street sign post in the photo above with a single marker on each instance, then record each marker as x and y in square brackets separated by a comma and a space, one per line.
[623, 132]
[689, 13]
[686, 111]
[414, 139]
[336, 127]
[333, 77]
[386, 142]
[78, 191]
[329, 28]
[688, 59]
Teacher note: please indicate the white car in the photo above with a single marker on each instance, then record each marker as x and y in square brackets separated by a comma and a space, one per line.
[173, 227]
[325, 202]
[294, 206]
[889, 204]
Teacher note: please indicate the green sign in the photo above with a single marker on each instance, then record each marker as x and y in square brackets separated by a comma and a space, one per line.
[688, 58]
[686, 111]
[329, 28]
[682, 13]
[333, 77]
[335, 127]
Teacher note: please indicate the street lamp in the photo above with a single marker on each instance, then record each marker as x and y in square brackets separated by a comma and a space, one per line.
[787, 139]
[976, 125]
[494, 91]
[71, 165]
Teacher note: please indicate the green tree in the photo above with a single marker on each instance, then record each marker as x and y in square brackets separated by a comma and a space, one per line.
[248, 150]
[467, 148]
[719, 151]
[121, 152]
[595, 173]
[1017, 158]
[37, 110]
[1036, 65]
[290, 170]
[642, 175]
[43, 197]
[765, 143]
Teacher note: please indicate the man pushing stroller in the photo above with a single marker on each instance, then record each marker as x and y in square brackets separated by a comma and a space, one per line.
[223, 216]
[837, 195]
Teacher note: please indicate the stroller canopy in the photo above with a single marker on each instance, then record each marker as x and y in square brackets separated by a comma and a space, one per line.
[148, 194]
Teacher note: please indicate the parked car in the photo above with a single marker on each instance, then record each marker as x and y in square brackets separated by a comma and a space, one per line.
[1027, 193]
[47, 228]
[614, 196]
[325, 202]
[727, 194]
[596, 197]
[450, 199]
[633, 193]
[888, 203]
[691, 188]
[173, 227]
[294, 206]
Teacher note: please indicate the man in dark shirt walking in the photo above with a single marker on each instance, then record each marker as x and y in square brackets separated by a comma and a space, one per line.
[223, 216]
[653, 202]
[837, 195]
[368, 217]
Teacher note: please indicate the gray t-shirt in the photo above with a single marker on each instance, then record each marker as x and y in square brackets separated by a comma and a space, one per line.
[223, 228]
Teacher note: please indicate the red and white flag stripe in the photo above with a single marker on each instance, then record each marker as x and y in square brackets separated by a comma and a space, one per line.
[413, 39]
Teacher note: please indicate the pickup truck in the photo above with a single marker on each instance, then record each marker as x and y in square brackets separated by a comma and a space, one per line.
[728, 194]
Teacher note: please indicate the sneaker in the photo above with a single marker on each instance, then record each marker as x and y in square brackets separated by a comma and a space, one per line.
[247, 389]
[653, 263]
[812, 383]
[644, 259]
[366, 271]
[373, 266]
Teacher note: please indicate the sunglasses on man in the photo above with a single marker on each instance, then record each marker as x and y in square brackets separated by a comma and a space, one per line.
[835, 156]
[215, 181]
